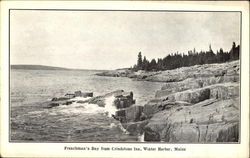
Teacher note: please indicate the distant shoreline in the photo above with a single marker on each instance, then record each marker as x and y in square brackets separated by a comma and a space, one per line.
[43, 67]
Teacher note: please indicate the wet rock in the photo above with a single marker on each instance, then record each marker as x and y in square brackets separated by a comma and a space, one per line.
[87, 94]
[57, 103]
[100, 101]
[51, 105]
[82, 101]
[78, 93]
[70, 96]
[60, 99]
[123, 100]
[53, 99]
[68, 102]
[83, 94]
[120, 113]
[131, 114]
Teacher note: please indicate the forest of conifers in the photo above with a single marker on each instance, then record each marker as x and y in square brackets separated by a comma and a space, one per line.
[176, 60]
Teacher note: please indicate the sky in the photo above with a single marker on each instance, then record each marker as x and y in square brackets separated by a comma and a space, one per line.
[112, 39]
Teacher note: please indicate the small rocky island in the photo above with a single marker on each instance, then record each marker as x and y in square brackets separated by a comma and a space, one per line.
[197, 104]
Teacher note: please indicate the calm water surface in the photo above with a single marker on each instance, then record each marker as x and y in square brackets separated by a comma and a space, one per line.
[74, 123]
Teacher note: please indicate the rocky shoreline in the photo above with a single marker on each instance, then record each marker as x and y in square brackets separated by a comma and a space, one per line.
[197, 104]
[180, 74]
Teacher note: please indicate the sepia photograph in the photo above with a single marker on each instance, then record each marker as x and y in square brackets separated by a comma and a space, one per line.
[124, 76]
[124, 79]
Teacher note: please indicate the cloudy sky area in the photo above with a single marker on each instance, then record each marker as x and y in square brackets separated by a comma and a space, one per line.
[110, 40]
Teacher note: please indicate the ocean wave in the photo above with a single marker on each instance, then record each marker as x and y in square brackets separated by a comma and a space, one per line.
[109, 106]
[80, 98]
[78, 108]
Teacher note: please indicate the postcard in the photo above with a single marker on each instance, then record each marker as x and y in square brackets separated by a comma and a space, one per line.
[124, 79]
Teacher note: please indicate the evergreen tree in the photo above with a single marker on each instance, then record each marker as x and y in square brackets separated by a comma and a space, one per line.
[145, 64]
[234, 52]
[153, 65]
[139, 62]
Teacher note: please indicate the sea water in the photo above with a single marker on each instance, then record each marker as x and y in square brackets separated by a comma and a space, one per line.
[29, 121]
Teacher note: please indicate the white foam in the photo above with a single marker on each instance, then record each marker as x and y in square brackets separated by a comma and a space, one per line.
[94, 108]
[85, 108]
[80, 98]
[141, 138]
[79, 108]
[109, 106]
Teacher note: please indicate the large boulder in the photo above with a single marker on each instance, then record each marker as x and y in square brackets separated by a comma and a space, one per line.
[124, 100]
[131, 114]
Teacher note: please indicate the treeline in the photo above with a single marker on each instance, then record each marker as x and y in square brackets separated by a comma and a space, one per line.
[176, 60]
